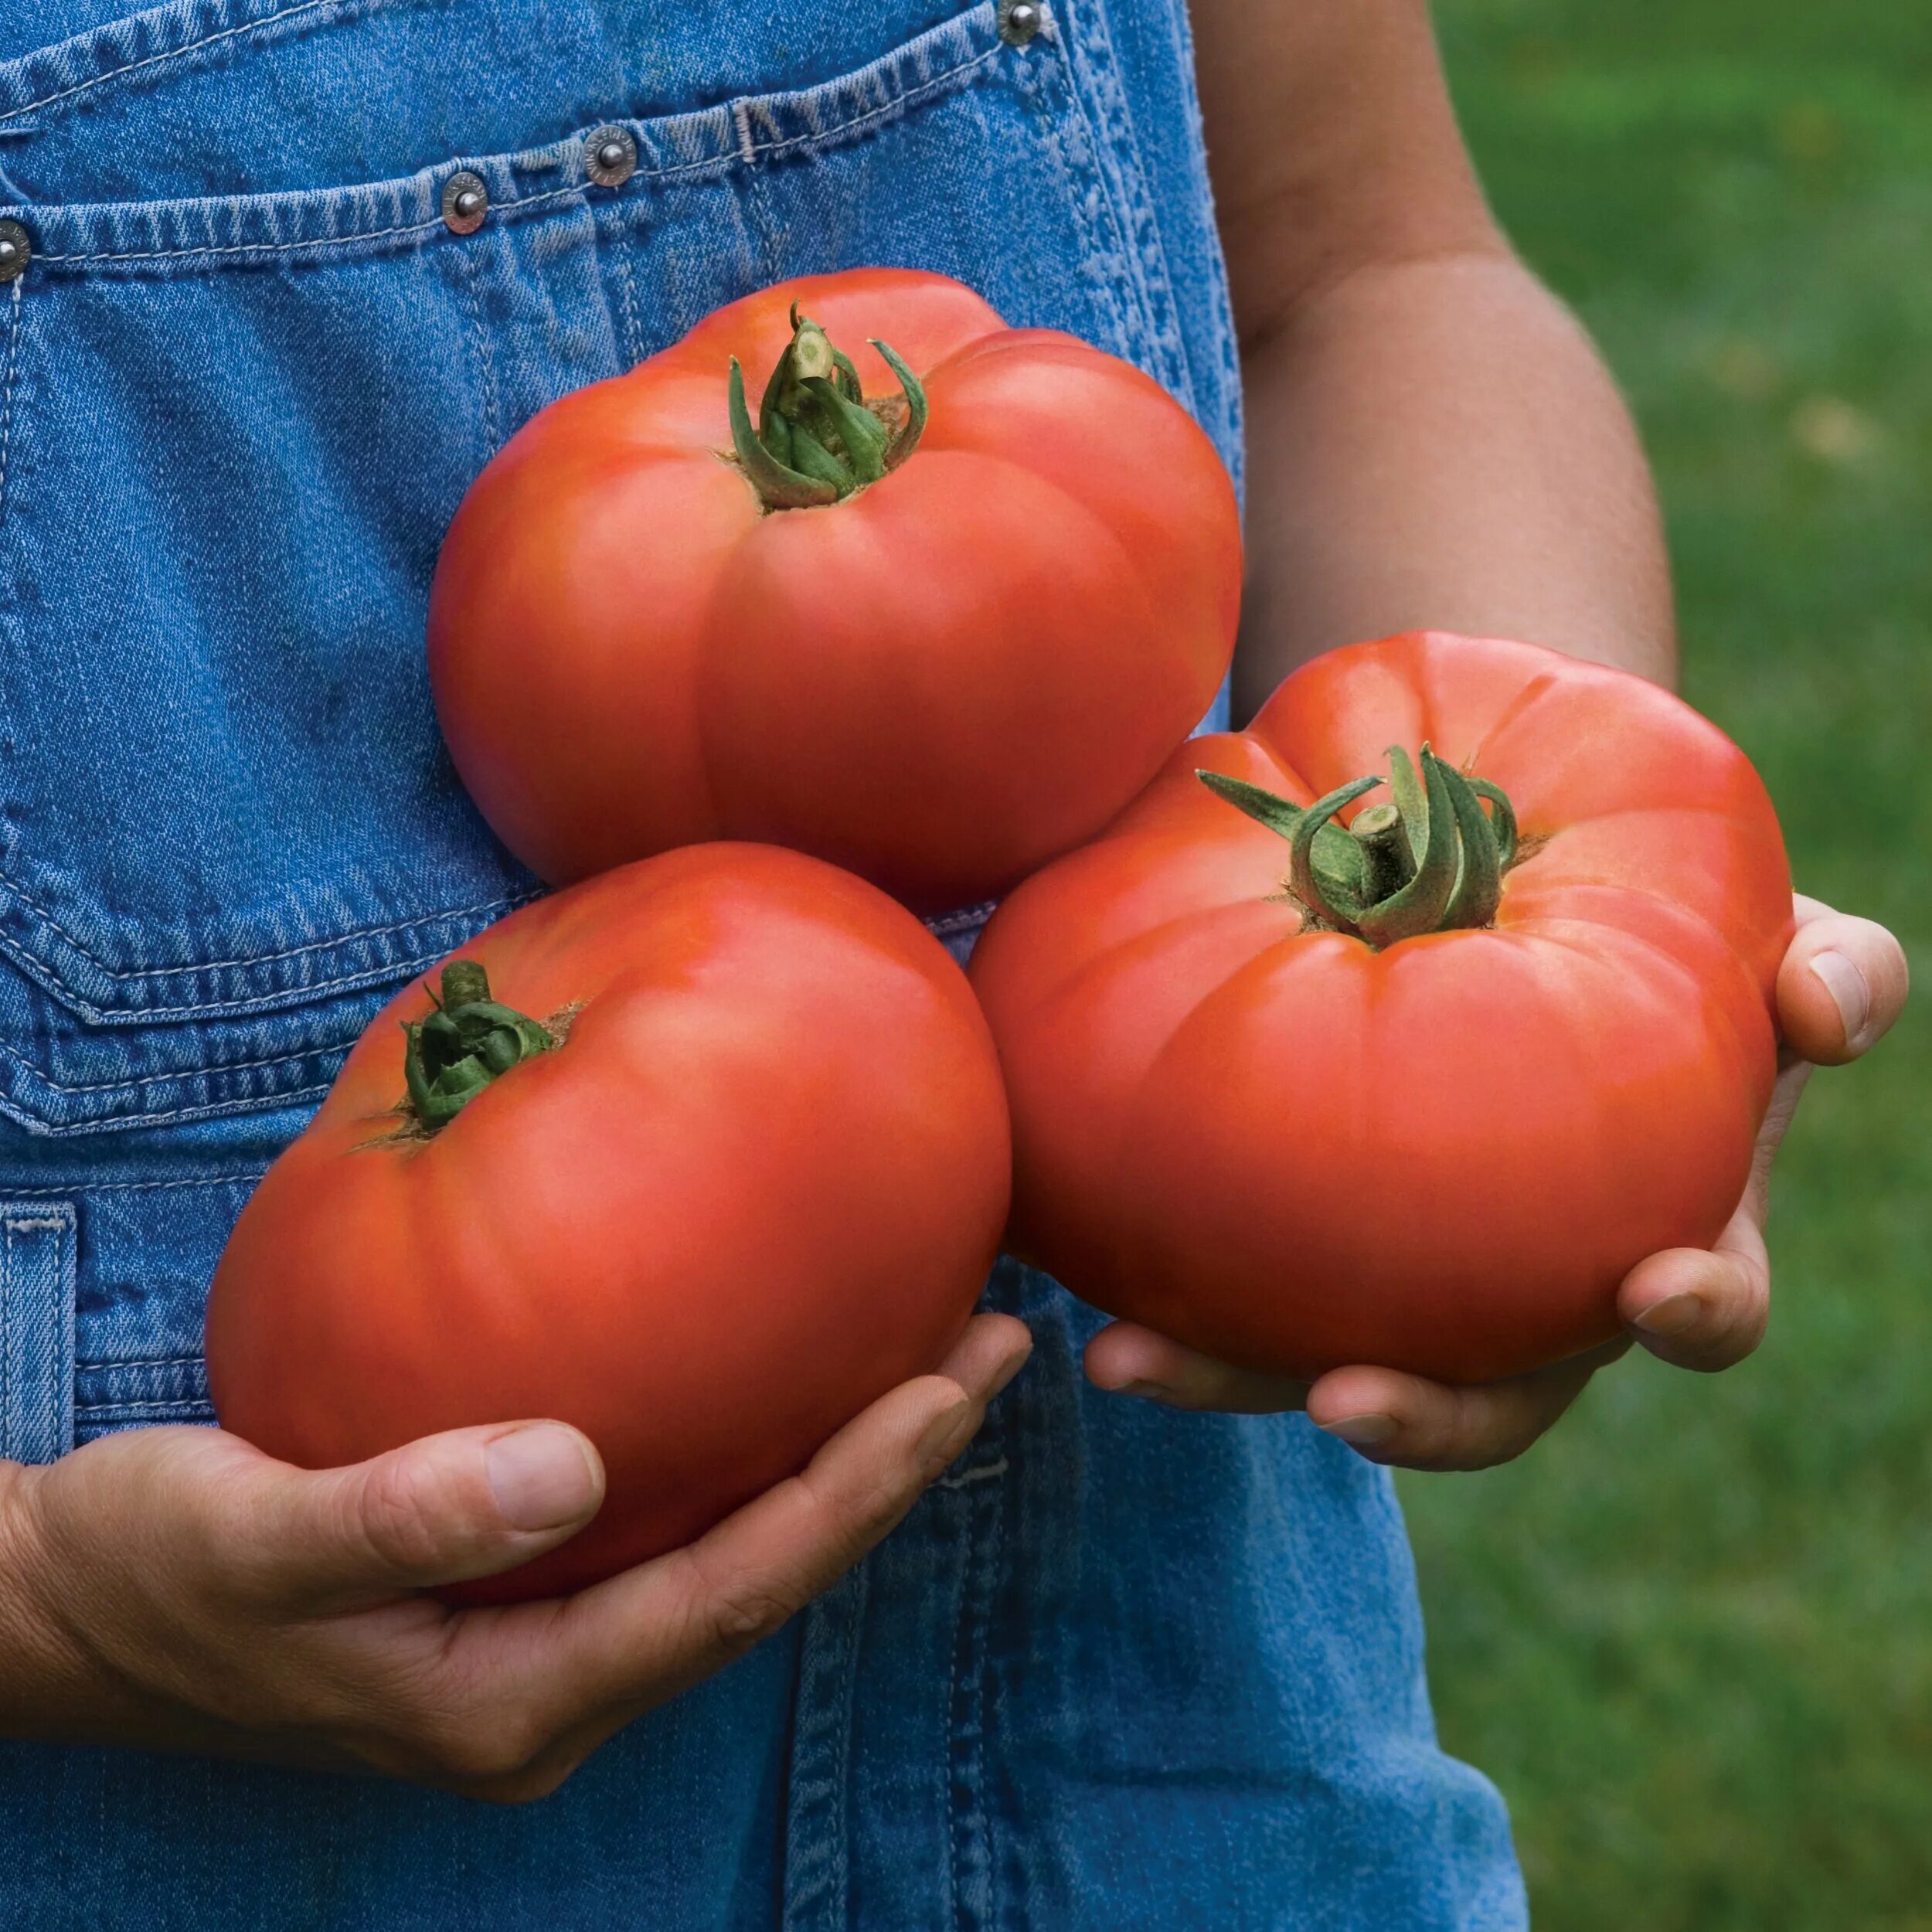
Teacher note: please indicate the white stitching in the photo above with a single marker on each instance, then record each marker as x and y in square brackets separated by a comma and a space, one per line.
[44, 1224]
[321, 241]
[98, 1410]
[13, 365]
[249, 248]
[894, 106]
[897, 104]
[985, 1472]
[144, 1362]
[133, 1187]
[162, 1080]
[173, 53]
[261, 959]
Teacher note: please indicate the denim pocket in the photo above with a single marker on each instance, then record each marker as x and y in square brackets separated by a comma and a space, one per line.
[232, 431]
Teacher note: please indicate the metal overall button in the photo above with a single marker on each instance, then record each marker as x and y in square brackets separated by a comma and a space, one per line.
[466, 200]
[16, 250]
[609, 156]
[1019, 20]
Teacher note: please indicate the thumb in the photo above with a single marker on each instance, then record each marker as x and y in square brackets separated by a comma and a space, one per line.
[439, 1510]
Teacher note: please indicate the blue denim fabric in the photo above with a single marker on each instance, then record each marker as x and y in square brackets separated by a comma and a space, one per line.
[1121, 1669]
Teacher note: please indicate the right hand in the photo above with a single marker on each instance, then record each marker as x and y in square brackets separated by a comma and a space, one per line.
[175, 1589]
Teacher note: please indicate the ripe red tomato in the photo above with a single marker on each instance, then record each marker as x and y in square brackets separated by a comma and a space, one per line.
[758, 1184]
[1419, 1093]
[644, 633]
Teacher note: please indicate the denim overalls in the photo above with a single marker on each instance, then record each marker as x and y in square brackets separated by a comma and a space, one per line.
[1121, 1668]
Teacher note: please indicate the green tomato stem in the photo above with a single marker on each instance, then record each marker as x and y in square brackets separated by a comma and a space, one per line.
[817, 439]
[470, 1040]
[1429, 860]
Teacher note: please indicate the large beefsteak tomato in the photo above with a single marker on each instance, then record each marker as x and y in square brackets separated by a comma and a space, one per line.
[1417, 1093]
[701, 1155]
[936, 631]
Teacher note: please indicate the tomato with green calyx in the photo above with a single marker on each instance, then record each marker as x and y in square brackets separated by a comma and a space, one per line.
[935, 610]
[1401, 1029]
[702, 1155]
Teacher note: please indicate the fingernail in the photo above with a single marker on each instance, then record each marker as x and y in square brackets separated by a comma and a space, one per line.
[1846, 984]
[540, 1477]
[1147, 1391]
[947, 1433]
[1670, 1316]
[1012, 1368]
[1362, 1432]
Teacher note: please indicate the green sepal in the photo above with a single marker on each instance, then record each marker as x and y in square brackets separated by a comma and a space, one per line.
[1412, 800]
[848, 377]
[862, 434]
[810, 457]
[1338, 863]
[1478, 892]
[1315, 886]
[1419, 906]
[780, 485]
[1502, 817]
[916, 407]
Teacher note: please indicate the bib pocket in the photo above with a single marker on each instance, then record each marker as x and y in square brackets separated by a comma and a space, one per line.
[232, 431]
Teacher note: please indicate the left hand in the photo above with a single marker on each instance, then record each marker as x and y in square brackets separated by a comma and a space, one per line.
[1840, 986]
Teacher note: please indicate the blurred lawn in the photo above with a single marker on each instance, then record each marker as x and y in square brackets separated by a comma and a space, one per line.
[1691, 1636]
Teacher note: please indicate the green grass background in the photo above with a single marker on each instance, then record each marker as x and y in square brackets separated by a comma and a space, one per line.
[1690, 1635]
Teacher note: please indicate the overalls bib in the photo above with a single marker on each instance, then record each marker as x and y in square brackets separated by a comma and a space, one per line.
[1120, 1668]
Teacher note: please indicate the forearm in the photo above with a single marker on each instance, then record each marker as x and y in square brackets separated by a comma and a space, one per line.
[1435, 443]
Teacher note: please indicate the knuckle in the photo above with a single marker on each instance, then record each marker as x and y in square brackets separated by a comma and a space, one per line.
[396, 1517]
[735, 1618]
[485, 1748]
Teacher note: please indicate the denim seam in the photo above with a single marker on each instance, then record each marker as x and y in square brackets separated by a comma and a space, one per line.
[485, 356]
[137, 1187]
[911, 98]
[1109, 175]
[971, 1869]
[128, 1408]
[628, 299]
[40, 1126]
[321, 241]
[172, 53]
[816, 1848]
[145, 1361]
[1145, 242]
[750, 156]
[161, 1080]
[33, 905]
[6, 414]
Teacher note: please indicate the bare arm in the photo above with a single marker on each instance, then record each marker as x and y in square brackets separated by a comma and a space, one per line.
[1432, 440]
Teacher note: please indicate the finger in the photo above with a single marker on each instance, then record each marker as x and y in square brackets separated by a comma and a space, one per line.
[1126, 1359]
[1402, 1420]
[1699, 1310]
[639, 1638]
[440, 1510]
[991, 1352]
[1841, 985]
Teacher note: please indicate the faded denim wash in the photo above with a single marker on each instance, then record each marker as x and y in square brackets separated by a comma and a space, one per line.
[1121, 1668]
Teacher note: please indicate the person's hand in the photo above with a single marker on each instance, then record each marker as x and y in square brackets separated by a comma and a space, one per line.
[1840, 986]
[175, 1589]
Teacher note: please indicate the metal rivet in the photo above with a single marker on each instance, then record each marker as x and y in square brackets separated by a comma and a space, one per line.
[16, 250]
[466, 200]
[1019, 20]
[609, 156]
